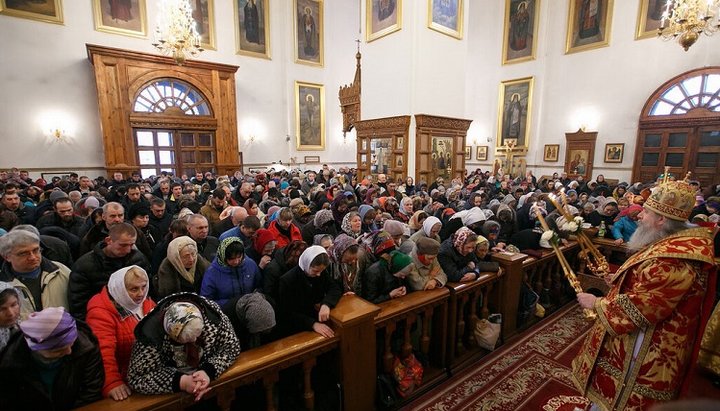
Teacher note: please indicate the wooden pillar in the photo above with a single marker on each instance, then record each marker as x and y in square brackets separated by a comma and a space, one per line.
[353, 320]
[509, 289]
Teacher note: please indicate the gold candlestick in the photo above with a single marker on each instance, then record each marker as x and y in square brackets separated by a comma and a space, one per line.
[569, 274]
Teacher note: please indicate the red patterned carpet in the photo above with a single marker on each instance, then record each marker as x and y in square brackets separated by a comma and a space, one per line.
[532, 373]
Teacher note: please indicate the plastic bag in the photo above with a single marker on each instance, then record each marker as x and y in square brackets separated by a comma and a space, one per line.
[487, 334]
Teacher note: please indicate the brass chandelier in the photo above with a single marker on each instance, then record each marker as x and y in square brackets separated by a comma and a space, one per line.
[176, 34]
[685, 20]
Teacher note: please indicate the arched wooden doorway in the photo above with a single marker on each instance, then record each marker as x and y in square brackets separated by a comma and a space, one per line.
[680, 128]
[158, 116]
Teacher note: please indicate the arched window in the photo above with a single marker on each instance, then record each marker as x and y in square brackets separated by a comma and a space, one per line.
[680, 128]
[171, 96]
[702, 91]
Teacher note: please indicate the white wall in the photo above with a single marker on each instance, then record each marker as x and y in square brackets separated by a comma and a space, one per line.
[44, 72]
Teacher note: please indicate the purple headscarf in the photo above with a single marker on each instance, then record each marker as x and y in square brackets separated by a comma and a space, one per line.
[49, 329]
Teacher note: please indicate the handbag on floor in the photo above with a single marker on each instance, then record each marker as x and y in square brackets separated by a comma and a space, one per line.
[408, 374]
[487, 334]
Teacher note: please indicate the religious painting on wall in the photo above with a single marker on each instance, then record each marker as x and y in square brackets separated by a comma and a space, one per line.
[588, 25]
[309, 32]
[252, 28]
[614, 152]
[481, 154]
[204, 15]
[650, 17]
[514, 108]
[441, 156]
[578, 161]
[551, 152]
[468, 153]
[446, 16]
[310, 116]
[521, 26]
[380, 155]
[120, 17]
[49, 11]
[382, 17]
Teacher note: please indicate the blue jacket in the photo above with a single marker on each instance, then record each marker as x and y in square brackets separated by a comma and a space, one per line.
[624, 228]
[222, 283]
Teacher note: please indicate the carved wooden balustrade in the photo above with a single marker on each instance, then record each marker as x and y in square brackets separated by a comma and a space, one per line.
[428, 311]
[259, 364]
[466, 301]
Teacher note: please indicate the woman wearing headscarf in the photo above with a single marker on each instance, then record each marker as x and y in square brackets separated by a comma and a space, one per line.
[182, 270]
[263, 248]
[182, 345]
[505, 216]
[284, 259]
[626, 224]
[305, 287]
[385, 279]
[416, 221]
[252, 317]
[370, 196]
[406, 210]
[339, 208]
[10, 301]
[482, 254]
[472, 219]
[367, 217]
[347, 264]
[53, 364]
[457, 257]
[352, 224]
[322, 223]
[430, 229]
[231, 274]
[112, 315]
[491, 231]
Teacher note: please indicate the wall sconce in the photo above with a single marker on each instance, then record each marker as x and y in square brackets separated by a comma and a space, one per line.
[57, 134]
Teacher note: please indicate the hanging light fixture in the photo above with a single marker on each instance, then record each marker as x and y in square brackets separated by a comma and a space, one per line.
[176, 34]
[685, 20]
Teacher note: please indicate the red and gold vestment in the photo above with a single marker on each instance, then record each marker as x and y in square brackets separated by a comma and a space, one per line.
[638, 352]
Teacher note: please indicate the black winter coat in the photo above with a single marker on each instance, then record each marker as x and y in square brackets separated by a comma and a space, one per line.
[78, 382]
[378, 282]
[298, 296]
[92, 271]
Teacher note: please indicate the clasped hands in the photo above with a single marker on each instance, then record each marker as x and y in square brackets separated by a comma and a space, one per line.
[197, 383]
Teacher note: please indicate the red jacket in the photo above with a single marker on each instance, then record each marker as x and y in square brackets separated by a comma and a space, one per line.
[281, 239]
[115, 335]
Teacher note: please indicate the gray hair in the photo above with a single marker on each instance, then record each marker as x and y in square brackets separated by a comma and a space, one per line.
[192, 217]
[112, 204]
[27, 227]
[17, 238]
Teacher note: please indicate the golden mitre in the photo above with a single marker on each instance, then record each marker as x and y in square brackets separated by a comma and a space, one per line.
[672, 199]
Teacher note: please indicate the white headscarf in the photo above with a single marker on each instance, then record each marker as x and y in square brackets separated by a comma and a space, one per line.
[117, 290]
[429, 223]
[309, 255]
[470, 216]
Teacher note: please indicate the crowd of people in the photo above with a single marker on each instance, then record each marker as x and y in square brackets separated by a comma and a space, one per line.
[114, 286]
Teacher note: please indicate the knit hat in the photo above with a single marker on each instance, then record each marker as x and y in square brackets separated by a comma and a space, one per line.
[49, 329]
[57, 194]
[398, 261]
[91, 202]
[183, 322]
[427, 246]
[255, 312]
[262, 237]
[394, 227]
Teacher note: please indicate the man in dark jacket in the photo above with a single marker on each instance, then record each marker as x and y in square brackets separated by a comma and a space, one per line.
[63, 217]
[91, 271]
[53, 364]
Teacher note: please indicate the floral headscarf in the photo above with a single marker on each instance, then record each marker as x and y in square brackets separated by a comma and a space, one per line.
[223, 247]
[460, 237]
[414, 222]
[345, 226]
[340, 245]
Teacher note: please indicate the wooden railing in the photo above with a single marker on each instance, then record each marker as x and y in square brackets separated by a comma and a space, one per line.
[437, 324]
[466, 301]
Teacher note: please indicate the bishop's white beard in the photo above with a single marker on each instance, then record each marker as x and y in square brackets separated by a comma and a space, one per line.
[644, 236]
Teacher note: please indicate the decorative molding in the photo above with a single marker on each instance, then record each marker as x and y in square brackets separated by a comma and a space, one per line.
[447, 123]
[398, 122]
[155, 58]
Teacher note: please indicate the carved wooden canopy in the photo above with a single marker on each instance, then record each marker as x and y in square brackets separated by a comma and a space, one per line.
[350, 99]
